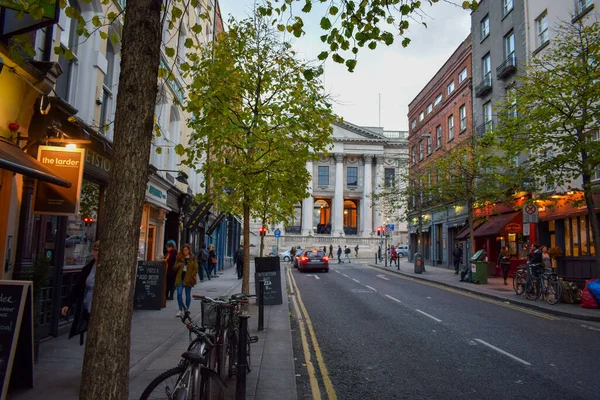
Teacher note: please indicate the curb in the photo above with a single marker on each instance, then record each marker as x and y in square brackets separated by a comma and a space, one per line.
[530, 305]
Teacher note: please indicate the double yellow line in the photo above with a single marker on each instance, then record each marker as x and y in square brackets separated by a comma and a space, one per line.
[305, 325]
[505, 304]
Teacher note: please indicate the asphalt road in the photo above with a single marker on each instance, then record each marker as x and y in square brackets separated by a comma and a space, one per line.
[385, 337]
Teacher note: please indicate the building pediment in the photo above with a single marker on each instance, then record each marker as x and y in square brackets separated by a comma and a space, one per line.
[346, 131]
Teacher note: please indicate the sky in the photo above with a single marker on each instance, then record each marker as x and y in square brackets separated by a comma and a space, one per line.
[392, 73]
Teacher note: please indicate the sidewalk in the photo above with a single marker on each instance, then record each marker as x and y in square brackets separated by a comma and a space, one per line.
[495, 289]
[157, 341]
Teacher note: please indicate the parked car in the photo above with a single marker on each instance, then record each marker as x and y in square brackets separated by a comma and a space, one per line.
[313, 260]
[402, 251]
[73, 240]
[286, 256]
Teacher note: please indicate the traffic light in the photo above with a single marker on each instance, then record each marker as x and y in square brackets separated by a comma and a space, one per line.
[378, 231]
[263, 231]
[88, 221]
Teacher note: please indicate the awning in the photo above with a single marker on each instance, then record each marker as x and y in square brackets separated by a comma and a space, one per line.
[14, 159]
[198, 215]
[464, 233]
[215, 224]
[494, 225]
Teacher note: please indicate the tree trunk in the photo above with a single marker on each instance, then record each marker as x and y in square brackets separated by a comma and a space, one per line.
[262, 240]
[106, 362]
[246, 277]
[589, 202]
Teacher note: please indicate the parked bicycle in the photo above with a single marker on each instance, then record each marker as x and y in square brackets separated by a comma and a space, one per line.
[543, 282]
[192, 377]
[520, 279]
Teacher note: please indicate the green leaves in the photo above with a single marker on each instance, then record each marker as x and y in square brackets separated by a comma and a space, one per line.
[179, 150]
[170, 52]
[325, 23]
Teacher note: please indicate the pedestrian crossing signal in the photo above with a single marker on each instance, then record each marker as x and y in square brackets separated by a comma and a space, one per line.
[378, 231]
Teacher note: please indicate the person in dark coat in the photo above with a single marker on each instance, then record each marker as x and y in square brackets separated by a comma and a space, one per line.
[80, 298]
[504, 262]
[330, 251]
[457, 254]
[339, 254]
[170, 258]
[239, 261]
[212, 261]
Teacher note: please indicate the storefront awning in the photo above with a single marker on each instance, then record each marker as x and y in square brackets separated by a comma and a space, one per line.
[464, 233]
[14, 159]
[494, 225]
[215, 224]
[198, 215]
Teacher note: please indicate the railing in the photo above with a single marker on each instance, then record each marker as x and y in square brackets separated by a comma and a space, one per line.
[485, 86]
[507, 67]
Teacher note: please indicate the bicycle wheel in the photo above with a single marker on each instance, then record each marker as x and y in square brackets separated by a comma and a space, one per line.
[519, 283]
[164, 386]
[554, 292]
[533, 289]
[232, 353]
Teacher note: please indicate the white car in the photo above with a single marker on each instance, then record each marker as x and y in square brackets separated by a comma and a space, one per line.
[286, 256]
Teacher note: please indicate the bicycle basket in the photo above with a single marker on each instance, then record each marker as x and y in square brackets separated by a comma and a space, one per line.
[213, 316]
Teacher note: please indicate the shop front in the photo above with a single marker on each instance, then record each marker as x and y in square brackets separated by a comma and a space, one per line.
[152, 227]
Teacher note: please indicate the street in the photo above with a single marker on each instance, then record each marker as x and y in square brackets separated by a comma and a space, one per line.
[381, 336]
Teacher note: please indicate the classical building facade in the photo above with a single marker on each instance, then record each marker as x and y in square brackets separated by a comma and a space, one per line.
[340, 209]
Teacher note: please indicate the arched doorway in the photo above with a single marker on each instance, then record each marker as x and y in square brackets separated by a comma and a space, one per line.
[322, 216]
[350, 217]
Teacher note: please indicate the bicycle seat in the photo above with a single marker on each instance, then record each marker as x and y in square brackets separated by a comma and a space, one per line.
[193, 357]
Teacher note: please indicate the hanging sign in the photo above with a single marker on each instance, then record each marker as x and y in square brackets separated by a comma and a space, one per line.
[68, 165]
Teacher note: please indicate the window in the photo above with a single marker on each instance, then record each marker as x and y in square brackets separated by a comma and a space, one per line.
[541, 24]
[413, 123]
[181, 49]
[511, 100]
[429, 108]
[323, 178]
[66, 82]
[485, 27]
[463, 75]
[508, 6]
[438, 137]
[486, 64]
[107, 94]
[582, 5]
[438, 100]
[450, 127]
[352, 176]
[389, 176]
[509, 44]
[421, 116]
[463, 117]
[516, 161]
[487, 115]
[429, 144]
[414, 154]
[420, 150]
[450, 87]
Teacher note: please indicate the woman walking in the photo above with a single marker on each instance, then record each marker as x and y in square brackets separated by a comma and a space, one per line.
[212, 261]
[81, 297]
[504, 261]
[187, 269]
[170, 260]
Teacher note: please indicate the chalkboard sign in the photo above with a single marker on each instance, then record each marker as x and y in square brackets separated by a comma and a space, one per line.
[149, 285]
[269, 270]
[16, 334]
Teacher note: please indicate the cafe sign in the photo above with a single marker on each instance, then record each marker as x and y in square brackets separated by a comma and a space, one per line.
[155, 194]
[67, 164]
[513, 228]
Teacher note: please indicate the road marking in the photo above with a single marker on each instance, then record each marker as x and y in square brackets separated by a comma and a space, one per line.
[429, 315]
[322, 367]
[491, 346]
[356, 280]
[314, 276]
[337, 271]
[345, 275]
[383, 277]
[373, 289]
[393, 298]
[590, 327]
[502, 303]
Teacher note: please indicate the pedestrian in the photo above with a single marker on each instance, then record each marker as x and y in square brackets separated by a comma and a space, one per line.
[292, 254]
[204, 259]
[457, 254]
[504, 262]
[379, 253]
[356, 251]
[187, 269]
[339, 254]
[239, 261]
[170, 257]
[393, 257]
[330, 251]
[547, 261]
[347, 252]
[81, 297]
[325, 249]
[536, 255]
[212, 261]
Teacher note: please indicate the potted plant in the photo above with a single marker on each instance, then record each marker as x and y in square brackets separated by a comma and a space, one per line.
[554, 253]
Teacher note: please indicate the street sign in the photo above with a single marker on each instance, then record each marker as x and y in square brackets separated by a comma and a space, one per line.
[391, 227]
[530, 214]
[277, 233]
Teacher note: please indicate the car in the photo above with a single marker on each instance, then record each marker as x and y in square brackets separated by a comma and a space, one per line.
[286, 256]
[313, 260]
[402, 251]
[73, 240]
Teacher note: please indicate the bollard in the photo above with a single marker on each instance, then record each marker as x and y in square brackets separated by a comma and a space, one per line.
[241, 369]
[261, 305]
[375, 258]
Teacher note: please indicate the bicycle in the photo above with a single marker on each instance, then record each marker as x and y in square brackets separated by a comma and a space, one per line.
[544, 283]
[520, 279]
[190, 379]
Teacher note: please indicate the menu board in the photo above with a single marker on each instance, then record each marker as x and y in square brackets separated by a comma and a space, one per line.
[149, 285]
[16, 334]
[269, 271]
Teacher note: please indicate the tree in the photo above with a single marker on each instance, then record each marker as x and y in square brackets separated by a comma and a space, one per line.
[555, 120]
[259, 116]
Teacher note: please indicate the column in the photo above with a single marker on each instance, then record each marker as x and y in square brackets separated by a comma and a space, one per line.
[338, 199]
[378, 218]
[308, 205]
[366, 213]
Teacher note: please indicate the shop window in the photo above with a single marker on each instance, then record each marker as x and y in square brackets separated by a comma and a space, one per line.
[568, 252]
[575, 238]
[81, 229]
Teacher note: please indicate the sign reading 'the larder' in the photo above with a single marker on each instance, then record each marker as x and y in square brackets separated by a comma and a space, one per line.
[67, 164]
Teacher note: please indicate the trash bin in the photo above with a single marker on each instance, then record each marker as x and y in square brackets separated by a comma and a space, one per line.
[418, 263]
[479, 267]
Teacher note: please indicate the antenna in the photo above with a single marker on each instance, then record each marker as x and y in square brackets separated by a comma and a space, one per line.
[379, 109]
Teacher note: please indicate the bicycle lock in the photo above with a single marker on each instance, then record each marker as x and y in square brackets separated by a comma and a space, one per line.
[261, 305]
[241, 369]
